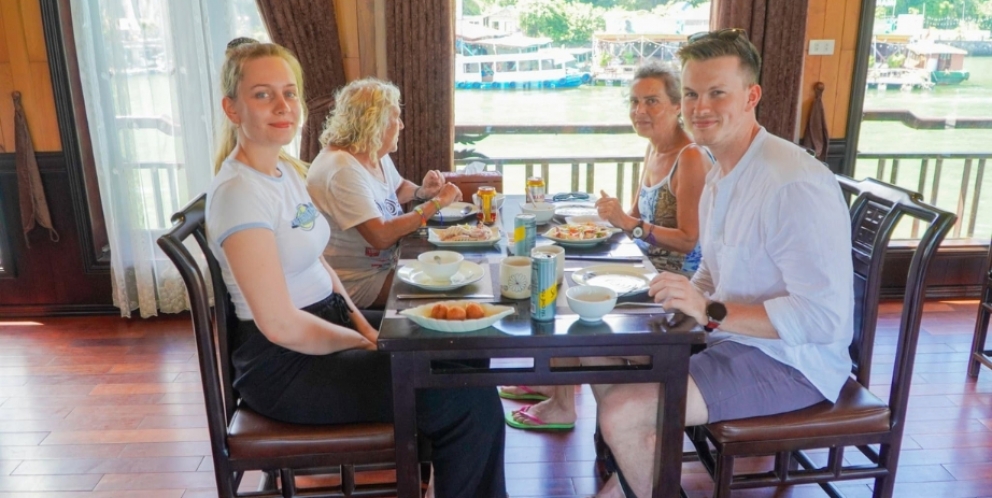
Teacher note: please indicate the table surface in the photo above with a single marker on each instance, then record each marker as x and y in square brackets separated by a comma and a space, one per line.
[413, 350]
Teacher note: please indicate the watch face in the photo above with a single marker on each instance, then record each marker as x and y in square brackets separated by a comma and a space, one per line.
[716, 311]
[637, 232]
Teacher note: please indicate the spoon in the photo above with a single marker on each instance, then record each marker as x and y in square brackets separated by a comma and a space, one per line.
[437, 259]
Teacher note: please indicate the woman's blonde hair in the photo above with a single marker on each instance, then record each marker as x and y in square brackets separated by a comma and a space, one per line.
[240, 51]
[360, 116]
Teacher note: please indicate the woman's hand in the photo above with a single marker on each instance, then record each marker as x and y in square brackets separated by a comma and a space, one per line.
[449, 193]
[433, 181]
[609, 209]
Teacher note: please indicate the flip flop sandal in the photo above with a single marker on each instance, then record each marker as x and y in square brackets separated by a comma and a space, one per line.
[535, 423]
[529, 394]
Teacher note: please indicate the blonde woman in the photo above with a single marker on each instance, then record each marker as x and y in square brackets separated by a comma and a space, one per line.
[301, 351]
[355, 185]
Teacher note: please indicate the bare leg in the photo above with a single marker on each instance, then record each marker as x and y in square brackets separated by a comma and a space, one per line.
[628, 422]
[611, 489]
[430, 485]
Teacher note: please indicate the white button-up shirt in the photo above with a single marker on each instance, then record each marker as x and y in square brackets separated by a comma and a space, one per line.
[776, 231]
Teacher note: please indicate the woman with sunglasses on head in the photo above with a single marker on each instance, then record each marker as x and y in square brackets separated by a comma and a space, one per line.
[301, 352]
[664, 220]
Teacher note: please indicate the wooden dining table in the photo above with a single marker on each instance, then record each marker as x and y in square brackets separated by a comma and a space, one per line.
[415, 352]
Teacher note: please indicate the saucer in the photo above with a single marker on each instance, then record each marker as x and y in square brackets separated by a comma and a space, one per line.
[414, 275]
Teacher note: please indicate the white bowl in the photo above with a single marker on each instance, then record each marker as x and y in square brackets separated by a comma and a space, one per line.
[542, 211]
[478, 202]
[591, 302]
[443, 267]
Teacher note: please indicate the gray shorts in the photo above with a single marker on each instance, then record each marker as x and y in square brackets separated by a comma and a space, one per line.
[739, 381]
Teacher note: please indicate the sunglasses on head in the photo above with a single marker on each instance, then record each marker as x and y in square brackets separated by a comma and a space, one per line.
[728, 34]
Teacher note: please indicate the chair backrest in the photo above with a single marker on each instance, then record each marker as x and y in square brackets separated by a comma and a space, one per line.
[875, 210]
[210, 325]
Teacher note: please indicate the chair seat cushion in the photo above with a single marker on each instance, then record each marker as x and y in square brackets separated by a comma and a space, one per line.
[252, 435]
[857, 411]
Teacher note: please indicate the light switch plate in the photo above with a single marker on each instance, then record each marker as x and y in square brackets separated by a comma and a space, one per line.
[821, 47]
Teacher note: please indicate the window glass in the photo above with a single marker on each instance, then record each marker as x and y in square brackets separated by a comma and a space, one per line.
[928, 109]
[573, 62]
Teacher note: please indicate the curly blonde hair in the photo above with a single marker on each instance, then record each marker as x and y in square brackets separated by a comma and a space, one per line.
[360, 116]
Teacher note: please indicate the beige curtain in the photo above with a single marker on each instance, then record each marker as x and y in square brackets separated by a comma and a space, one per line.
[310, 29]
[419, 61]
[778, 29]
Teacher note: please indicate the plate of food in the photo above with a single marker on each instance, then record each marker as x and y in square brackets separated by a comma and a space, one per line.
[457, 316]
[588, 219]
[455, 211]
[414, 274]
[579, 234]
[566, 209]
[466, 235]
[626, 280]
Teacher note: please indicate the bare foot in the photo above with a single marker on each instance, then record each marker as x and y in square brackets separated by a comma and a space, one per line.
[611, 489]
[554, 410]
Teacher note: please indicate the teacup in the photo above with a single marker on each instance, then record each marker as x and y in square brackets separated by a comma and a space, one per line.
[514, 277]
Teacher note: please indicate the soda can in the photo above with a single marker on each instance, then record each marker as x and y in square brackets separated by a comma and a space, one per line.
[544, 287]
[524, 234]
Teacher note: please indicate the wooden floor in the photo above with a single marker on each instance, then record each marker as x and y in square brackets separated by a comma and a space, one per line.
[105, 407]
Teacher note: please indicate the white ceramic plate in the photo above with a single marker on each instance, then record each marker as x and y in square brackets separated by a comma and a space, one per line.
[577, 243]
[566, 209]
[414, 275]
[624, 279]
[455, 211]
[434, 238]
[421, 315]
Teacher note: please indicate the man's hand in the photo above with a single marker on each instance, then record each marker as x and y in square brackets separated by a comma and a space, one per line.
[676, 293]
[433, 181]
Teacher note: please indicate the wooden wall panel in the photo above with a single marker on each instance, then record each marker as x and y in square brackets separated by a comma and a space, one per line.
[836, 20]
[24, 68]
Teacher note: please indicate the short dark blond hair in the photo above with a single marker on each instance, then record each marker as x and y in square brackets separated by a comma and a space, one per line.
[727, 42]
[664, 73]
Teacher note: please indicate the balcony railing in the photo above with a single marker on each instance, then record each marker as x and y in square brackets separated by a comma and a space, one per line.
[956, 182]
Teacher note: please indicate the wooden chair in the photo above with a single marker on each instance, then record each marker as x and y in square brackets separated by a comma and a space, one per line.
[979, 355]
[858, 418]
[243, 440]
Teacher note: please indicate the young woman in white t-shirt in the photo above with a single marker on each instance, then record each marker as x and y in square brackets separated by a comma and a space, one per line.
[301, 351]
[355, 185]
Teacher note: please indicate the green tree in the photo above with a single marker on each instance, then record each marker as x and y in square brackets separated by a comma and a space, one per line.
[941, 8]
[566, 22]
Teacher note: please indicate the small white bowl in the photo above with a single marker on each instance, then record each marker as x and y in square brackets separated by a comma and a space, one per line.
[542, 211]
[442, 268]
[591, 302]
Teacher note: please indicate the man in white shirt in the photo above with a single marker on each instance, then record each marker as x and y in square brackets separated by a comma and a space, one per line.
[775, 287]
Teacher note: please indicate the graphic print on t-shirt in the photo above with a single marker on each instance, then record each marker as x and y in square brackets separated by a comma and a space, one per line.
[389, 207]
[306, 214]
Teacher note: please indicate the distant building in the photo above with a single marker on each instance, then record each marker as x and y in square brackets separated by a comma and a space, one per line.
[506, 20]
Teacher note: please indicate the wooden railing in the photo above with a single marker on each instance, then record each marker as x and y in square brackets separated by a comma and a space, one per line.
[955, 182]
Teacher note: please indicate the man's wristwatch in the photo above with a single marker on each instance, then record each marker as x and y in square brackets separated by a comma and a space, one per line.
[716, 312]
[638, 231]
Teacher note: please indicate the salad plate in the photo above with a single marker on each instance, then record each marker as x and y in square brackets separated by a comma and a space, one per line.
[626, 280]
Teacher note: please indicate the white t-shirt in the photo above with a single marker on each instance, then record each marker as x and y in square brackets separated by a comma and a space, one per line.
[776, 231]
[240, 198]
[348, 195]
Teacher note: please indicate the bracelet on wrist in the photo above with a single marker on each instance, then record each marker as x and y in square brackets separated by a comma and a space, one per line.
[437, 203]
[416, 194]
[423, 219]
